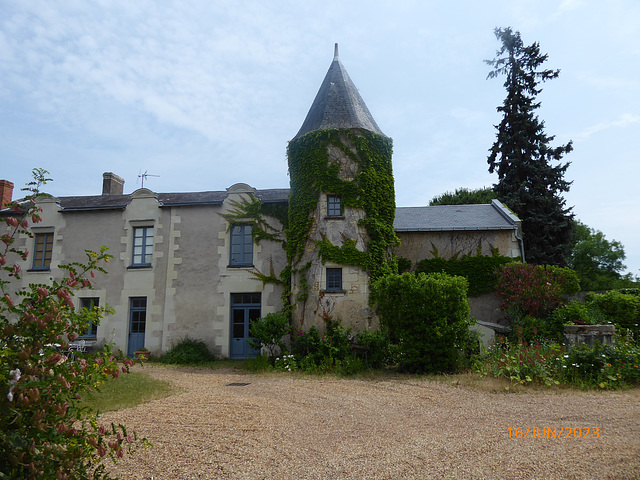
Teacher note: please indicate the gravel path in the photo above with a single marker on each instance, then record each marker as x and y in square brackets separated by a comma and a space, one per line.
[299, 427]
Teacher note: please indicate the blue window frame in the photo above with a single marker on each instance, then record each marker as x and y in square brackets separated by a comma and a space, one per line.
[334, 279]
[334, 207]
[241, 245]
[43, 251]
[90, 304]
[142, 246]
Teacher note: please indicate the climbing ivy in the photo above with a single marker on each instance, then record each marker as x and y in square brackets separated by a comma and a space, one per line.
[312, 171]
[252, 211]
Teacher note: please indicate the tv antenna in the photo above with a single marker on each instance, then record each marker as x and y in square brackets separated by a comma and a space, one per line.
[144, 176]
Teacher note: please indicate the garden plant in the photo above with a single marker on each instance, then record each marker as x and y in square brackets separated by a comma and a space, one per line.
[44, 433]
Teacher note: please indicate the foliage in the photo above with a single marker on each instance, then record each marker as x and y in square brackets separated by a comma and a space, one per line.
[372, 189]
[318, 352]
[427, 316]
[480, 270]
[600, 366]
[44, 433]
[464, 196]
[188, 351]
[530, 294]
[578, 313]
[252, 211]
[268, 332]
[596, 260]
[520, 362]
[285, 363]
[621, 309]
[523, 157]
[378, 351]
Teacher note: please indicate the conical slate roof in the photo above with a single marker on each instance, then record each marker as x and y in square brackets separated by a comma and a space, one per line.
[338, 104]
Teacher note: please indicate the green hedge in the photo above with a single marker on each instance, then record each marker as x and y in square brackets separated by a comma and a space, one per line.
[427, 316]
[480, 271]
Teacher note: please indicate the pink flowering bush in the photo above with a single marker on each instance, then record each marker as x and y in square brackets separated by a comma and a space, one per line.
[43, 432]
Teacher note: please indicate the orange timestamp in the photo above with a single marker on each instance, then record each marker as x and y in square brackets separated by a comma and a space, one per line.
[555, 432]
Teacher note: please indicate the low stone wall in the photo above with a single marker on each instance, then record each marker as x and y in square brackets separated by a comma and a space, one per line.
[588, 334]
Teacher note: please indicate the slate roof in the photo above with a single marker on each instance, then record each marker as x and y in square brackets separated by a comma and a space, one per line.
[119, 202]
[493, 216]
[338, 104]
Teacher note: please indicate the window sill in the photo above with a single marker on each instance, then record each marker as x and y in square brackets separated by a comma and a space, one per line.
[139, 267]
[334, 217]
[37, 270]
[338, 292]
[240, 266]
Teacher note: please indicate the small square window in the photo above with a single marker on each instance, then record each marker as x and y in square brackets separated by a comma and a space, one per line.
[334, 279]
[334, 207]
[43, 251]
[142, 246]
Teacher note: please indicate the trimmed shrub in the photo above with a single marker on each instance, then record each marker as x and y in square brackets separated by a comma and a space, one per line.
[480, 271]
[188, 352]
[623, 310]
[427, 316]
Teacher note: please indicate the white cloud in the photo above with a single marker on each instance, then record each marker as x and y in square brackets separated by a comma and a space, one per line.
[625, 120]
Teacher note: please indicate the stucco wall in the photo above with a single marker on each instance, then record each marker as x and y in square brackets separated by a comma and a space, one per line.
[417, 246]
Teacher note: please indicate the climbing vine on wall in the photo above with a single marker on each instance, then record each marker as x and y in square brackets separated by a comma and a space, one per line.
[252, 212]
[312, 171]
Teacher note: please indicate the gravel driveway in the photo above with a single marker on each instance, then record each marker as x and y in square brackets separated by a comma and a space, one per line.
[281, 426]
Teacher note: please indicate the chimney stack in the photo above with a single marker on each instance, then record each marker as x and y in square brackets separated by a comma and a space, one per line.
[6, 192]
[112, 184]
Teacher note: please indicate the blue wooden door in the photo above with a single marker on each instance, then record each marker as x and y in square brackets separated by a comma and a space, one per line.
[245, 308]
[137, 324]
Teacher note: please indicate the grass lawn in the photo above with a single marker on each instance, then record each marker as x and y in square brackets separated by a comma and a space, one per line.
[128, 390]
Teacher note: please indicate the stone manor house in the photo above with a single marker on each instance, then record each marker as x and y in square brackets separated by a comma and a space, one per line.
[192, 264]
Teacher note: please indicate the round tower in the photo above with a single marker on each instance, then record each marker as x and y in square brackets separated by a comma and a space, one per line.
[341, 207]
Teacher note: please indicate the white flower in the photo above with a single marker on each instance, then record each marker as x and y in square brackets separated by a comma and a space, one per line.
[10, 396]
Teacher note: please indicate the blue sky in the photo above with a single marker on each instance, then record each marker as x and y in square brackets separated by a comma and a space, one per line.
[207, 93]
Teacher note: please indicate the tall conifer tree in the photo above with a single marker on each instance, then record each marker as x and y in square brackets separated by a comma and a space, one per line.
[530, 179]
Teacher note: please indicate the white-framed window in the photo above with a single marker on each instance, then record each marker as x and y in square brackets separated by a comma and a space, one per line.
[142, 247]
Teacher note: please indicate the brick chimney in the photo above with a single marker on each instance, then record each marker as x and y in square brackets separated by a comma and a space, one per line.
[112, 184]
[6, 192]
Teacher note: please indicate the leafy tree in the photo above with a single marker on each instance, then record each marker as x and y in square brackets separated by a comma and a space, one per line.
[529, 182]
[596, 260]
[43, 432]
[464, 196]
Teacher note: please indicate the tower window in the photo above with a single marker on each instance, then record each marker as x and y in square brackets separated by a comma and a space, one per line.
[334, 206]
[334, 279]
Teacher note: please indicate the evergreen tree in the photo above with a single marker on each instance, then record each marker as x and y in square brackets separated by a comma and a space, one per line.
[530, 181]
[464, 196]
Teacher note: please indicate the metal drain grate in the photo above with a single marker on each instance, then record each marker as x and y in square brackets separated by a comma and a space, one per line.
[237, 384]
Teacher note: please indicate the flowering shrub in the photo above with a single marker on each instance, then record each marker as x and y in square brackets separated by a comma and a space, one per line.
[43, 432]
[600, 366]
[322, 352]
[603, 366]
[285, 363]
[522, 363]
[530, 294]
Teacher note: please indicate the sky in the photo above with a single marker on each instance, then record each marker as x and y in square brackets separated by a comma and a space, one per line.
[204, 94]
